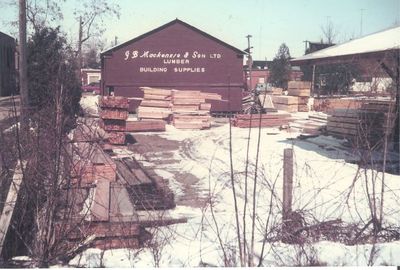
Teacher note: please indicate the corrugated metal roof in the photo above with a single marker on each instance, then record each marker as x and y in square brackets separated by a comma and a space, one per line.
[385, 40]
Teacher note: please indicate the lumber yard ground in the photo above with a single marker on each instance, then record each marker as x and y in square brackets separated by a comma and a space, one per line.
[196, 163]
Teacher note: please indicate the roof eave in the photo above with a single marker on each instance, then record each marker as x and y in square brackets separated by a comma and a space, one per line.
[338, 59]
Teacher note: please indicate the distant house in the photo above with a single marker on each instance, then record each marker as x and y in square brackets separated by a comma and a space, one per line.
[89, 75]
[316, 46]
[260, 73]
[7, 65]
[179, 56]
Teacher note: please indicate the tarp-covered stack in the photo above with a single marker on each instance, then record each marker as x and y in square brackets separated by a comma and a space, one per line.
[114, 112]
[301, 90]
[261, 120]
[184, 109]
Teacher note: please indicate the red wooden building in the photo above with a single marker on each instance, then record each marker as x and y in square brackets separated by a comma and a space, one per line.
[90, 75]
[175, 56]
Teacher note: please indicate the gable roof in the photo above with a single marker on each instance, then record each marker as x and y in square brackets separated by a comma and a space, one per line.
[176, 21]
[381, 41]
[6, 37]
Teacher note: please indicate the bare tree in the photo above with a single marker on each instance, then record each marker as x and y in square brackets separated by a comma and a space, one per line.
[91, 17]
[39, 13]
[329, 32]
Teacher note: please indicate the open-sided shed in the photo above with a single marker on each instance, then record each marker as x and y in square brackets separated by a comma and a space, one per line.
[175, 56]
[382, 48]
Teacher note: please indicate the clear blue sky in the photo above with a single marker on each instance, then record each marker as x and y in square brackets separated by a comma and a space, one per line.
[270, 22]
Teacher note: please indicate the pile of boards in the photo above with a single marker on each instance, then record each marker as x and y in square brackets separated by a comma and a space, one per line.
[114, 112]
[297, 98]
[363, 126]
[147, 191]
[92, 203]
[260, 120]
[104, 197]
[314, 125]
[330, 104]
[185, 109]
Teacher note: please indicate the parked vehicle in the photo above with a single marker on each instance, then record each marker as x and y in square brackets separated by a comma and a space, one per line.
[92, 87]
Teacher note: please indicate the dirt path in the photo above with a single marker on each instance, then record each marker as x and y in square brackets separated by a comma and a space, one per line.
[160, 153]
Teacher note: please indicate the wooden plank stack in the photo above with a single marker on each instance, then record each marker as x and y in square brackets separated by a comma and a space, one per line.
[185, 109]
[360, 126]
[276, 91]
[114, 112]
[156, 104]
[145, 125]
[91, 167]
[286, 103]
[331, 104]
[267, 120]
[301, 90]
[190, 110]
[314, 125]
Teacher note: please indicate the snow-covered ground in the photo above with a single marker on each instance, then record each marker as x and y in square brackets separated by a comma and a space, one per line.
[325, 188]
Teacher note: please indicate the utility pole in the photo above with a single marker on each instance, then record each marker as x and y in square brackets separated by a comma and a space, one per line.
[80, 44]
[115, 41]
[249, 61]
[23, 72]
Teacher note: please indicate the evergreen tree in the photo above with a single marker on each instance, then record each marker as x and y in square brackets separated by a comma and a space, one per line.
[52, 75]
[280, 67]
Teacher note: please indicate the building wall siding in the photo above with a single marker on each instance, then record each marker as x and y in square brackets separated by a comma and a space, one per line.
[200, 64]
[7, 65]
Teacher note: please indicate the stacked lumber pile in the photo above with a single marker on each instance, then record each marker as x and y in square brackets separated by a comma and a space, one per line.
[184, 109]
[93, 168]
[145, 191]
[276, 91]
[360, 126]
[156, 104]
[114, 112]
[104, 196]
[190, 110]
[145, 125]
[386, 106]
[93, 209]
[314, 125]
[261, 120]
[301, 90]
[331, 104]
[286, 103]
